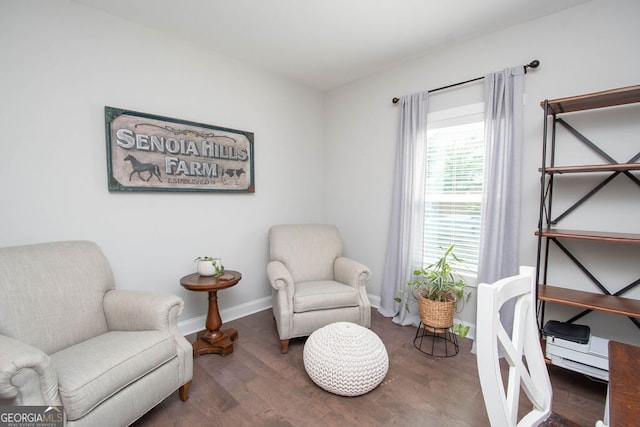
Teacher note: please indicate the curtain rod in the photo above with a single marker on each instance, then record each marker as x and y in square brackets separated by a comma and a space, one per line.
[533, 64]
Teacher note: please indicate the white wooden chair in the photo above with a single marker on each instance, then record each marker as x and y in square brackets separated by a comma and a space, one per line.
[522, 352]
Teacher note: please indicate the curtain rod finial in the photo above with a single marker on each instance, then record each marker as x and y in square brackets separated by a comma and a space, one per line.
[395, 100]
[533, 64]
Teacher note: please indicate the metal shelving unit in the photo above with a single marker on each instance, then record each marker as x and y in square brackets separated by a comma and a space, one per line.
[606, 301]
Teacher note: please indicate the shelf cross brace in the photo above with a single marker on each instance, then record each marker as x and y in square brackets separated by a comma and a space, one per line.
[598, 187]
[598, 150]
[596, 282]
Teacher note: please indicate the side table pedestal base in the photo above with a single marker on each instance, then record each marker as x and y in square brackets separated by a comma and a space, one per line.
[221, 344]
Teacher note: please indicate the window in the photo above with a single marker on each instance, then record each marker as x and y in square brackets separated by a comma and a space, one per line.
[454, 181]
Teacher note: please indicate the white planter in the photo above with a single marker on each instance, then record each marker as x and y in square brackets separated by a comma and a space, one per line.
[209, 268]
[206, 268]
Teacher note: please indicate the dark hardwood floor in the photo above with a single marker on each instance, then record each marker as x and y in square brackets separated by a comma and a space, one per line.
[256, 385]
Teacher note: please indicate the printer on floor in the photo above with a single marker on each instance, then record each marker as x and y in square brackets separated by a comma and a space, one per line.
[573, 347]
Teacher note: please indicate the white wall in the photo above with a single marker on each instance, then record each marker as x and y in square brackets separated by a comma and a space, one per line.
[585, 49]
[319, 157]
[61, 64]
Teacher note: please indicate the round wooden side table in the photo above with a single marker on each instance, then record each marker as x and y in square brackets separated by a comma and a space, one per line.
[213, 339]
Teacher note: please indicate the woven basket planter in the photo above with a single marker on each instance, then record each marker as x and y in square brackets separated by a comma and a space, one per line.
[437, 316]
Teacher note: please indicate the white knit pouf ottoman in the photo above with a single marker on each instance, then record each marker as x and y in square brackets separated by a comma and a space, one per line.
[346, 359]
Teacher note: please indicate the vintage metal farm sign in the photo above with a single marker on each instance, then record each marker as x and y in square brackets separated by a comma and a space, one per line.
[154, 153]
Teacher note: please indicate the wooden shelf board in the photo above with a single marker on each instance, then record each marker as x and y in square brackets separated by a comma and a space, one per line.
[607, 98]
[620, 167]
[600, 236]
[588, 300]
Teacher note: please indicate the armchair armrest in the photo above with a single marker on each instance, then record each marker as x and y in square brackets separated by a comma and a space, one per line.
[279, 276]
[351, 272]
[26, 375]
[151, 311]
[283, 290]
[142, 311]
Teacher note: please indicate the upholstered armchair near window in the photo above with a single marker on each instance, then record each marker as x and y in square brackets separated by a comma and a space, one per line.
[313, 284]
[68, 337]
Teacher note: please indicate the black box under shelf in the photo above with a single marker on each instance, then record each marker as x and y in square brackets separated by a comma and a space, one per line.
[567, 331]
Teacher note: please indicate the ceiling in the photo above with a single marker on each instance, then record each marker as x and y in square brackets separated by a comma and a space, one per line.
[326, 43]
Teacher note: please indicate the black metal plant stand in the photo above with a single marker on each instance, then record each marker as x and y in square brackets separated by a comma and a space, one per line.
[442, 341]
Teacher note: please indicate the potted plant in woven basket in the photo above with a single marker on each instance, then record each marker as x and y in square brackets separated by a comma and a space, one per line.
[438, 289]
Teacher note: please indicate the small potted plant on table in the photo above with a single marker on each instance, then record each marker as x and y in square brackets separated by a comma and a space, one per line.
[209, 266]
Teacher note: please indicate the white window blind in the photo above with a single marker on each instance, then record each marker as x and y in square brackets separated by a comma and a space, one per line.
[454, 164]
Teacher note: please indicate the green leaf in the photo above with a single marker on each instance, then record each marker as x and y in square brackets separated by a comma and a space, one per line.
[461, 330]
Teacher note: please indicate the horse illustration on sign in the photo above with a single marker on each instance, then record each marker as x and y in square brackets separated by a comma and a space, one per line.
[143, 167]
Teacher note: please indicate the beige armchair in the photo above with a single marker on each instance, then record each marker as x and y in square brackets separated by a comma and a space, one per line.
[312, 283]
[67, 337]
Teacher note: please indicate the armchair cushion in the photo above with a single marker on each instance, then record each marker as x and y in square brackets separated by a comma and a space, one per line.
[92, 371]
[62, 284]
[308, 251]
[322, 295]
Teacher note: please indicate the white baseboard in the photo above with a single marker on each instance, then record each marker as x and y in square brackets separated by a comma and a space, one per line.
[190, 326]
[374, 300]
[193, 325]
